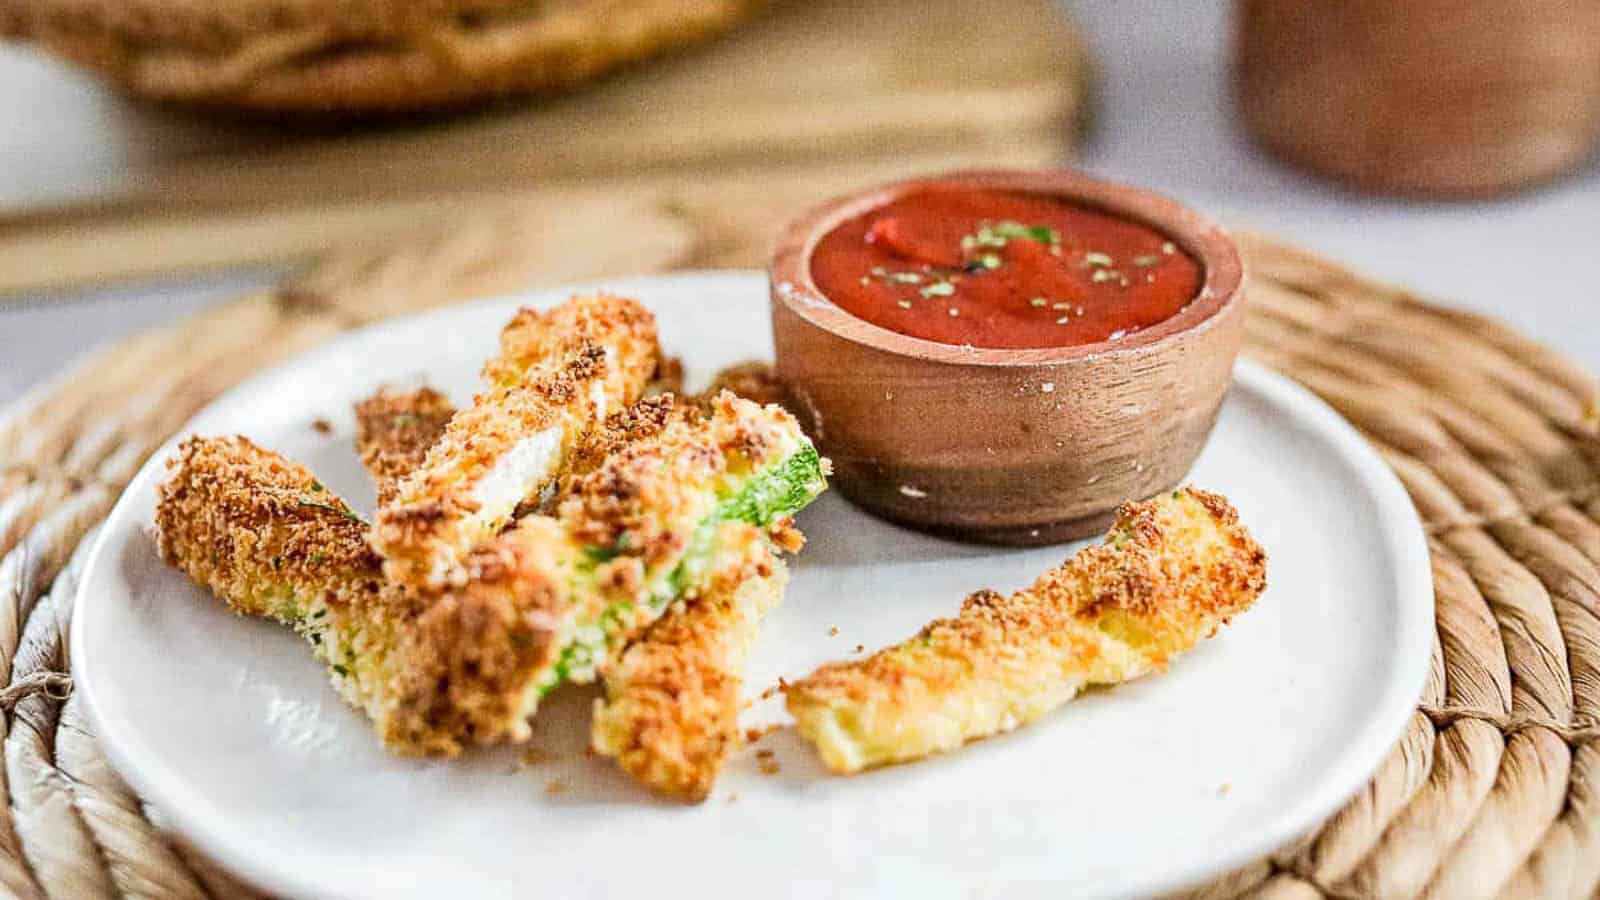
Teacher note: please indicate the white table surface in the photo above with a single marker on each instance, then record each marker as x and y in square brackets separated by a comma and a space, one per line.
[1165, 122]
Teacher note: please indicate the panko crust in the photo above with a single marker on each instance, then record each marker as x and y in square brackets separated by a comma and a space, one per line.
[394, 431]
[535, 337]
[639, 422]
[1171, 571]
[472, 653]
[650, 494]
[565, 369]
[671, 713]
[238, 518]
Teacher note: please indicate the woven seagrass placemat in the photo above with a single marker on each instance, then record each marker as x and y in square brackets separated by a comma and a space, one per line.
[1492, 792]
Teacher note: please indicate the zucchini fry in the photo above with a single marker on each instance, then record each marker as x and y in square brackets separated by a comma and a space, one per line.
[558, 376]
[394, 430]
[265, 536]
[651, 516]
[432, 673]
[1171, 571]
[670, 716]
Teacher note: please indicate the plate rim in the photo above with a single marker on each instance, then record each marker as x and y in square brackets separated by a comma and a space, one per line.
[1397, 520]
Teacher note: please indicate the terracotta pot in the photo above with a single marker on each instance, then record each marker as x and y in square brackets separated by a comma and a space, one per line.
[1008, 446]
[1427, 97]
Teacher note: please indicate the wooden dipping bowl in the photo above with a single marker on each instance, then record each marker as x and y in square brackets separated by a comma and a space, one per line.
[1437, 98]
[1019, 447]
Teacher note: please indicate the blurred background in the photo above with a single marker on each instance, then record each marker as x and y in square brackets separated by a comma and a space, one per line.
[1383, 133]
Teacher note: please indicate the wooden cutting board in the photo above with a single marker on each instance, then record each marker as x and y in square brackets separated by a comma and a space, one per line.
[811, 99]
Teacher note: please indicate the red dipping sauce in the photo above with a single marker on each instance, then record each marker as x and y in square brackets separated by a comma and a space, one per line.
[1003, 269]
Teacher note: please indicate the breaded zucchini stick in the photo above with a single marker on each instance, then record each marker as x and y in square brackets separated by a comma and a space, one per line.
[1170, 572]
[670, 716]
[432, 673]
[651, 516]
[558, 376]
[394, 431]
[265, 536]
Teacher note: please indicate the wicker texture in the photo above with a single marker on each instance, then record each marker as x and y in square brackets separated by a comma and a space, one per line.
[1493, 791]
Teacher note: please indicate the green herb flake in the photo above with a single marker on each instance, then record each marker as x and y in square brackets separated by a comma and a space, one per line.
[1098, 259]
[939, 289]
[1041, 233]
[1104, 275]
[906, 277]
[343, 672]
[1146, 260]
[1038, 301]
[997, 234]
[338, 511]
[1169, 248]
[989, 261]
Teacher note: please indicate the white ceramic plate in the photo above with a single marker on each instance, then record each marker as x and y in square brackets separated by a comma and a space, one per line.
[229, 726]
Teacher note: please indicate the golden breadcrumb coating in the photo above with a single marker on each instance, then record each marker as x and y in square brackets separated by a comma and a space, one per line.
[671, 713]
[535, 337]
[560, 373]
[473, 654]
[1171, 571]
[395, 429]
[652, 494]
[640, 421]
